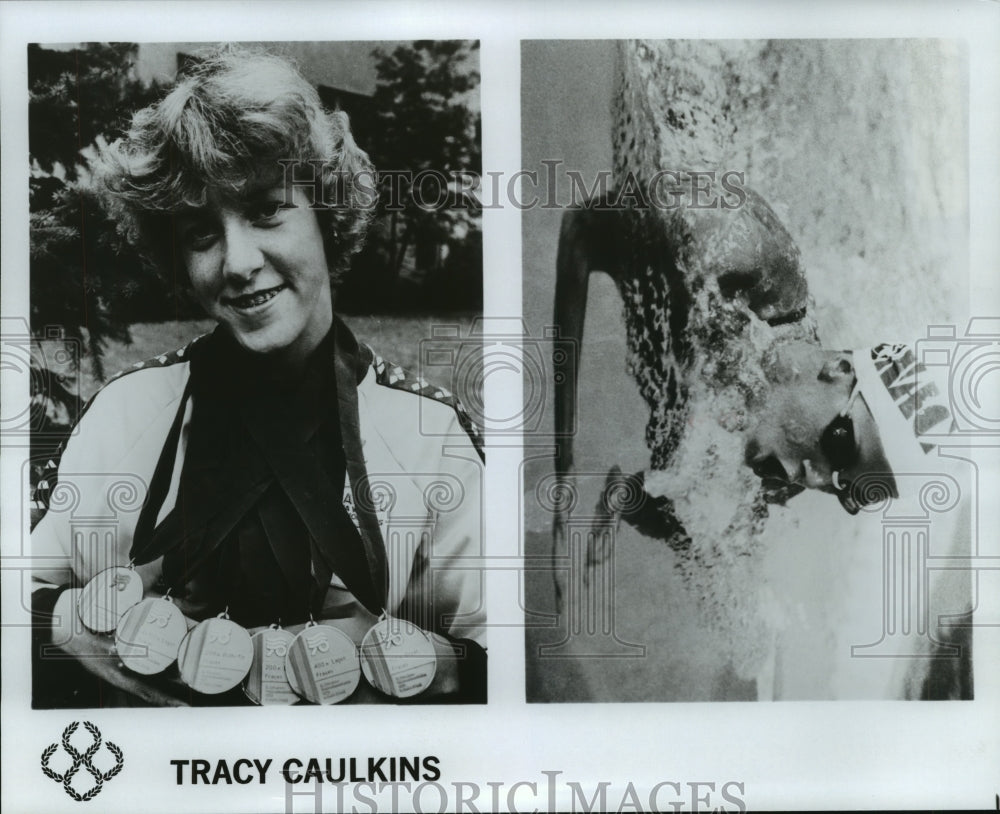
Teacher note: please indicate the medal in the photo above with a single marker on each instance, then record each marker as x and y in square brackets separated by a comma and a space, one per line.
[107, 596]
[148, 635]
[266, 683]
[215, 655]
[322, 664]
[398, 658]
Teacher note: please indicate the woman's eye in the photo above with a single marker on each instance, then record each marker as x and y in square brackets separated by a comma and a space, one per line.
[200, 236]
[265, 211]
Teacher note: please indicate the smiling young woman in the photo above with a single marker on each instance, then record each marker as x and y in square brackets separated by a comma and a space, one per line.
[258, 266]
[271, 458]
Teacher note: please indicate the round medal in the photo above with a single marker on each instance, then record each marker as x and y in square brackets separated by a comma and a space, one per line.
[398, 658]
[215, 655]
[322, 664]
[149, 634]
[266, 683]
[107, 596]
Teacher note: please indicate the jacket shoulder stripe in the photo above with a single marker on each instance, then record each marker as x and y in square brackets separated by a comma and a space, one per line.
[391, 375]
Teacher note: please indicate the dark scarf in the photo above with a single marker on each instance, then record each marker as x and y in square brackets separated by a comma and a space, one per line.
[259, 524]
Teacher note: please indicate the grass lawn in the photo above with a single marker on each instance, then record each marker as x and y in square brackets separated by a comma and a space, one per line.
[396, 338]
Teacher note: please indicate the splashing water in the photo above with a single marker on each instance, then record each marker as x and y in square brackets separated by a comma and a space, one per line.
[716, 498]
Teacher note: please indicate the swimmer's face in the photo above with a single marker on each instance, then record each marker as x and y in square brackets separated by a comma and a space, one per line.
[257, 265]
[808, 432]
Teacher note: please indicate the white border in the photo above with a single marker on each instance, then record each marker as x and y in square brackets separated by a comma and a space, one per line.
[833, 755]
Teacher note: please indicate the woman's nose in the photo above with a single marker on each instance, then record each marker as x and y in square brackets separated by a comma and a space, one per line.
[243, 255]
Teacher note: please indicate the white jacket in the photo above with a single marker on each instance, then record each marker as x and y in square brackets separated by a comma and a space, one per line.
[423, 467]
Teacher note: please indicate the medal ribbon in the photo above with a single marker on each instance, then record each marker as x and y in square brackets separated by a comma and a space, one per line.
[350, 367]
[280, 478]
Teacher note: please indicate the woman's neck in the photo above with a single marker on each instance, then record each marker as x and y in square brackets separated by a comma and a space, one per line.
[279, 369]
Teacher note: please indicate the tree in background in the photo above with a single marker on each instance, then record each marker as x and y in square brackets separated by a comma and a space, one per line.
[421, 121]
[418, 258]
[82, 274]
[89, 284]
[85, 283]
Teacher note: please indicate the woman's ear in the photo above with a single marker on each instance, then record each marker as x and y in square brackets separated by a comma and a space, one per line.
[837, 367]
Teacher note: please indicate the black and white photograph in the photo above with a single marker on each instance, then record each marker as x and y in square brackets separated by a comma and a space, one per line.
[757, 281]
[245, 492]
[712, 288]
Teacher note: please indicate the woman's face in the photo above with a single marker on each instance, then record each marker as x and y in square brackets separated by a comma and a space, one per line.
[784, 449]
[258, 266]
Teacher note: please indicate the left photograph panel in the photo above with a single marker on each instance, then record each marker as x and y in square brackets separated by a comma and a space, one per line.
[255, 291]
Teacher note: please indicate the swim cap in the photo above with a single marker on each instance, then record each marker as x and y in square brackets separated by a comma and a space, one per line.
[909, 402]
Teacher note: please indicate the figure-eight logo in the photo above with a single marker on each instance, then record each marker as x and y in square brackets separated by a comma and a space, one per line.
[83, 760]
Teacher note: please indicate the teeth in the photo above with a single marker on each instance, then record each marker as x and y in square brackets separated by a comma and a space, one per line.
[254, 300]
[813, 479]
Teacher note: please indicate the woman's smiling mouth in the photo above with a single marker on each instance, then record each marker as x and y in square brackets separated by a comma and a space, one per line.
[248, 302]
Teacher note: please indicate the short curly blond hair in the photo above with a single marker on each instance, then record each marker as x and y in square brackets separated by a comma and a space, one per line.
[234, 117]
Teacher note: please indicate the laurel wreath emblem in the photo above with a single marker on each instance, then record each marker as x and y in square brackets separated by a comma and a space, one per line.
[83, 760]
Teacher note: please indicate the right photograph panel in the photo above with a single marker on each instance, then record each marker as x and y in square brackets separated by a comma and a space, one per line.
[747, 262]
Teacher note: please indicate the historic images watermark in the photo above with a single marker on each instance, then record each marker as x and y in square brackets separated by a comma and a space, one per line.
[549, 793]
[433, 189]
[47, 358]
[969, 361]
[584, 554]
[586, 564]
